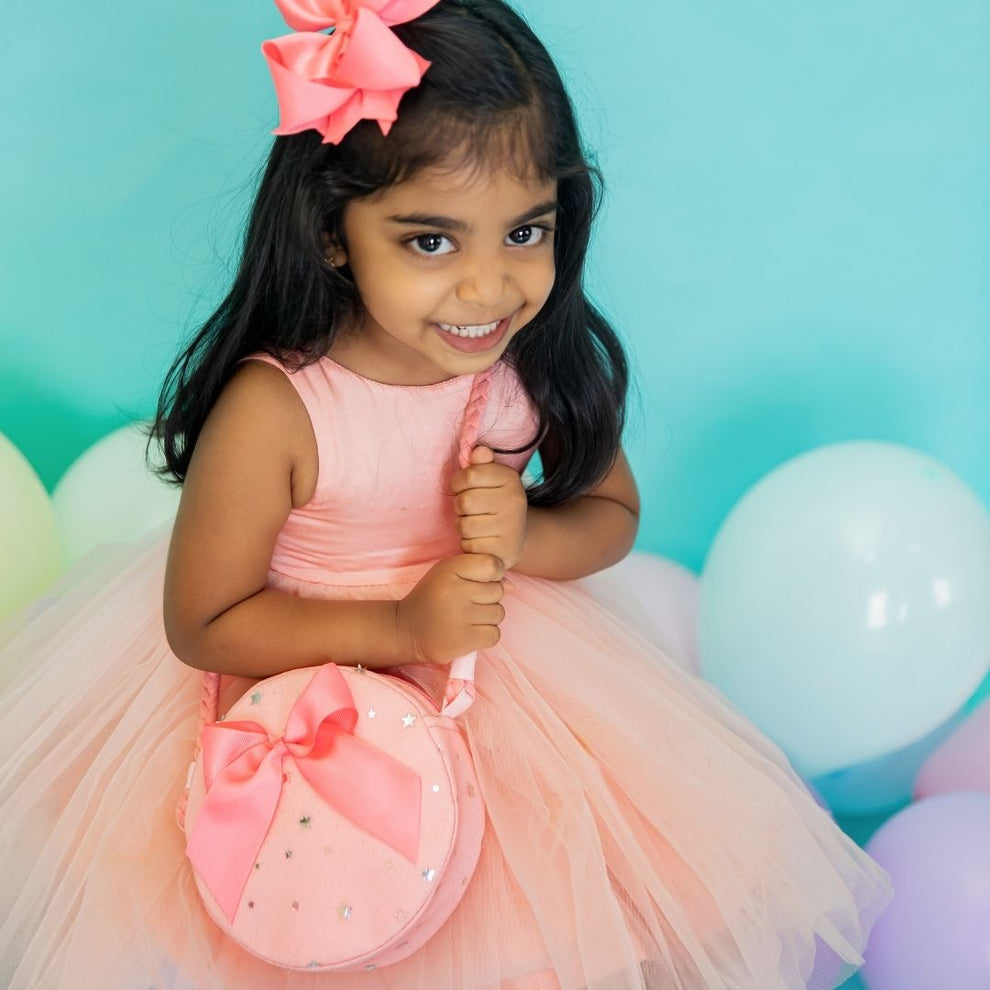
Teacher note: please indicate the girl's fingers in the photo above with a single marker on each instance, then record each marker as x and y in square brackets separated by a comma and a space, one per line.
[486, 593]
[478, 567]
[477, 527]
[481, 455]
[487, 636]
[487, 615]
[479, 501]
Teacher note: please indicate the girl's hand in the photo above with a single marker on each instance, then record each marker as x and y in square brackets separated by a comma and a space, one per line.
[491, 505]
[455, 608]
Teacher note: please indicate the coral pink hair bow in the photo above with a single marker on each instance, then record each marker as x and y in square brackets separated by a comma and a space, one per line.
[328, 82]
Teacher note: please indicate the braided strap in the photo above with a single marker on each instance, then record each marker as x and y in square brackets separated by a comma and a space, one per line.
[459, 694]
[209, 712]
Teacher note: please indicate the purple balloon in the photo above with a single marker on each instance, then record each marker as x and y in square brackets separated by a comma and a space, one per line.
[936, 931]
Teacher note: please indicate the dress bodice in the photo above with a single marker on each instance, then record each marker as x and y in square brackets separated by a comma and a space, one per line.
[382, 503]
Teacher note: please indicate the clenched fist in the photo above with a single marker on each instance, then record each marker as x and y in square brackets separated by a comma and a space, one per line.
[490, 502]
[455, 608]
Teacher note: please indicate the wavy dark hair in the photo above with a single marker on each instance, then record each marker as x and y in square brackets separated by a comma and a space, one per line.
[492, 94]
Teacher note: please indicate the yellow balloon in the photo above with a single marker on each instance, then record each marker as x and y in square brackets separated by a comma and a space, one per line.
[30, 552]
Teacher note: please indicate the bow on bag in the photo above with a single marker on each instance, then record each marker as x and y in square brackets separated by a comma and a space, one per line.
[359, 72]
[243, 771]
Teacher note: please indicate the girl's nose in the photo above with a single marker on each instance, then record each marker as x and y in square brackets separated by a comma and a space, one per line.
[483, 284]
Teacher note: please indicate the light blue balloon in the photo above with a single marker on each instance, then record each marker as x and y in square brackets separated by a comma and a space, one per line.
[845, 602]
[883, 784]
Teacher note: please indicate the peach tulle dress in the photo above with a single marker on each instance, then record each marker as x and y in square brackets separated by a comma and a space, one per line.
[640, 831]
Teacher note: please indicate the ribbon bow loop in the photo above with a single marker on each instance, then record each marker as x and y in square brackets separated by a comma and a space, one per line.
[242, 769]
[359, 72]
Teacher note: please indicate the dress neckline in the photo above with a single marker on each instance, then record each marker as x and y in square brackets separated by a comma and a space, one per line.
[446, 383]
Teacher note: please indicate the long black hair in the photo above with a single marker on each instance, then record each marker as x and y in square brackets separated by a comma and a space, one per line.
[492, 94]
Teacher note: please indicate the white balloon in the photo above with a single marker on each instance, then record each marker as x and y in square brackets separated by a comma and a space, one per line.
[109, 494]
[30, 558]
[844, 603]
[659, 596]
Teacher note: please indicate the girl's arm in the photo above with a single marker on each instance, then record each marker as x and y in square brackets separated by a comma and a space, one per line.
[586, 535]
[255, 460]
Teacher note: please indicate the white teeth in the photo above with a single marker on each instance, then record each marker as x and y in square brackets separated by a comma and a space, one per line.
[469, 331]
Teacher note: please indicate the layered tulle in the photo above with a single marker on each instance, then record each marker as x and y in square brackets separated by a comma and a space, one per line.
[640, 832]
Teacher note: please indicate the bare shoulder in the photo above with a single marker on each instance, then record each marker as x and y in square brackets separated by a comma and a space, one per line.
[260, 423]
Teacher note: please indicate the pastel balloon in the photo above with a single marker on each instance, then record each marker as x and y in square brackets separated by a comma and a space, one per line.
[843, 604]
[30, 557]
[936, 931]
[109, 494]
[660, 595]
[962, 762]
[886, 782]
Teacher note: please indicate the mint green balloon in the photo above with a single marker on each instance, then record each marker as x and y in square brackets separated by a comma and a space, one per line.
[109, 494]
[845, 602]
[30, 555]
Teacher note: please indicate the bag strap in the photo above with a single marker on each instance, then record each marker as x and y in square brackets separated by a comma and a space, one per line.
[458, 695]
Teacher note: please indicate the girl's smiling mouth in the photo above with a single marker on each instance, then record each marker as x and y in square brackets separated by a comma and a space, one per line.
[473, 338]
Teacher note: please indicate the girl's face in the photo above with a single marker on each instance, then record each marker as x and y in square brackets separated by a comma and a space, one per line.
[450, 266]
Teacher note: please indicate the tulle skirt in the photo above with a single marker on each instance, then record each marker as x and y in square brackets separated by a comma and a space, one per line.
[640, 832]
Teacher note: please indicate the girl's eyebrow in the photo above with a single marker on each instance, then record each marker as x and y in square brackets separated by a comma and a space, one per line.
[459, 226]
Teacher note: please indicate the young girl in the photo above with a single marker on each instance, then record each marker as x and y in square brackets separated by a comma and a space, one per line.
[640, 833]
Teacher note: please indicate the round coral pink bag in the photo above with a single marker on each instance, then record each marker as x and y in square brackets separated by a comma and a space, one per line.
[334, 819]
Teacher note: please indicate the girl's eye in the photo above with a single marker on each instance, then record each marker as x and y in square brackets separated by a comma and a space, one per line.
[527, 236]
[431, 244]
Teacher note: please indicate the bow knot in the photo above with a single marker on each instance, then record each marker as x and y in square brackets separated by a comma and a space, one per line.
[328, 82]
[242, 770]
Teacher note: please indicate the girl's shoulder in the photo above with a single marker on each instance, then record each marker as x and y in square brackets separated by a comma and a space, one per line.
[259, 417]
[261, 387]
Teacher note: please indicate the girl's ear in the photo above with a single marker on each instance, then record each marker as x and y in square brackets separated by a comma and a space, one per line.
[335, 254]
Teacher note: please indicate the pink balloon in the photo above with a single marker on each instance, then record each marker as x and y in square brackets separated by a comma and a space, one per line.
[962, 762]
[659, 596]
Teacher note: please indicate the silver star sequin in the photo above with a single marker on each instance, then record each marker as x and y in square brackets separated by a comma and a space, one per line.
[429, 874]
[372, 713]
[408, 719]
[345, 911]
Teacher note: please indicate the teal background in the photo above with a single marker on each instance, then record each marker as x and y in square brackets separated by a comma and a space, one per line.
[795, 243]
